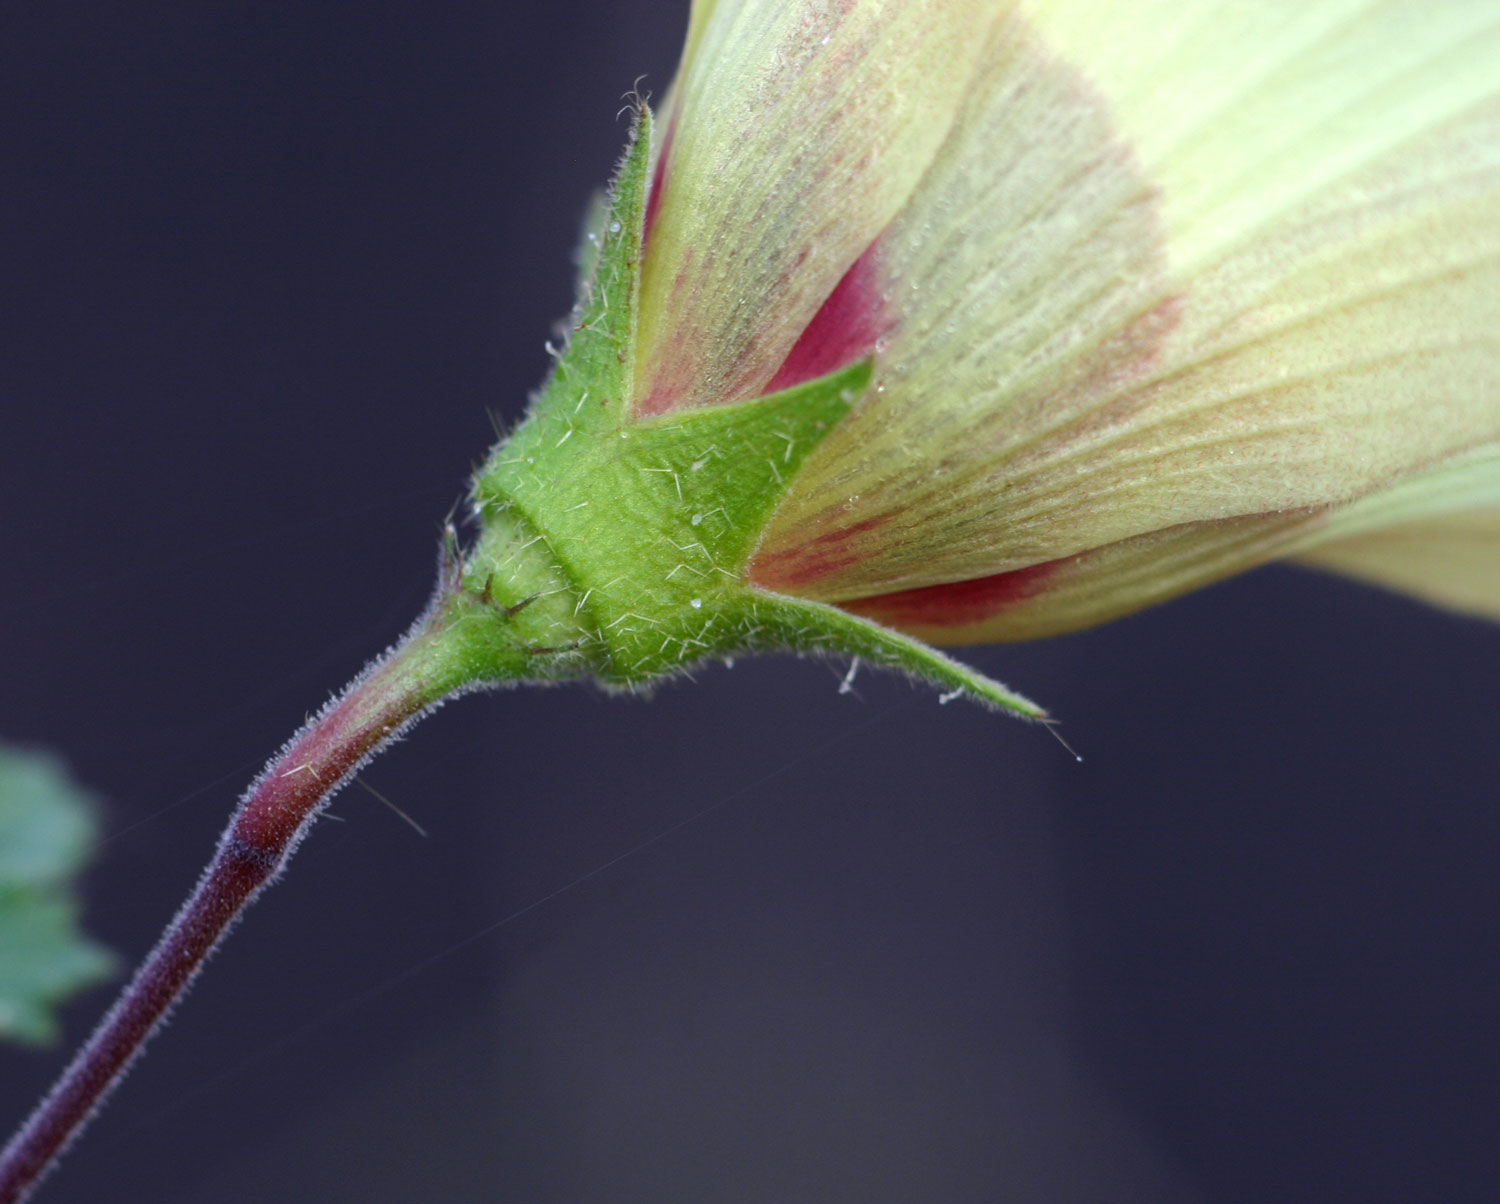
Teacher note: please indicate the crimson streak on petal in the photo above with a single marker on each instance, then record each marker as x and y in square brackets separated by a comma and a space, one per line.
[845, 329]
[957, 603]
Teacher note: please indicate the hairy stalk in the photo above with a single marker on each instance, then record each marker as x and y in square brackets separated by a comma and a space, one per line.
[269, 823]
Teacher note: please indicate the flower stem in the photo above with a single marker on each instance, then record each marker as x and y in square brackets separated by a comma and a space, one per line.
[270, 821]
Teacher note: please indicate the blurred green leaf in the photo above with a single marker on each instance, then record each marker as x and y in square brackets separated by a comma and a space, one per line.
[46, 834]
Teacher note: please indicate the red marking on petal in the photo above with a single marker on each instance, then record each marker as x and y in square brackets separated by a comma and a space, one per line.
[663, 397]
[658, 180]
[813, 560]
[1144, 342]
[673, 377]
[844, 330]
[958, 603]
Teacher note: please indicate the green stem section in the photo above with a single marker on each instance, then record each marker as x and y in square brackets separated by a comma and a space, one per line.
[461, 642]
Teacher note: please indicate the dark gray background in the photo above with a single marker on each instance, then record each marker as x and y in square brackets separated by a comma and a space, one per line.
[265, 267]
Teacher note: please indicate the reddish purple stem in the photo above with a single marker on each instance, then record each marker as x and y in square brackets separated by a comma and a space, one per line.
[262, 835]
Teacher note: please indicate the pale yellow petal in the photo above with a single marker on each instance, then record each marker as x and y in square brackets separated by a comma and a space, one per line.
[1452, 562]
[796, 132]
[1437, 537]
[1186, 263]
[1091, 587]
[1453, 504]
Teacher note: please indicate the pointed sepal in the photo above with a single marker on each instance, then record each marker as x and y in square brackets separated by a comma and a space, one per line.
[819, 629]
[654, 520]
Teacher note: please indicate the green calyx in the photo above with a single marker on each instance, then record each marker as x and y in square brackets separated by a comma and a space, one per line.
[615, 546]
